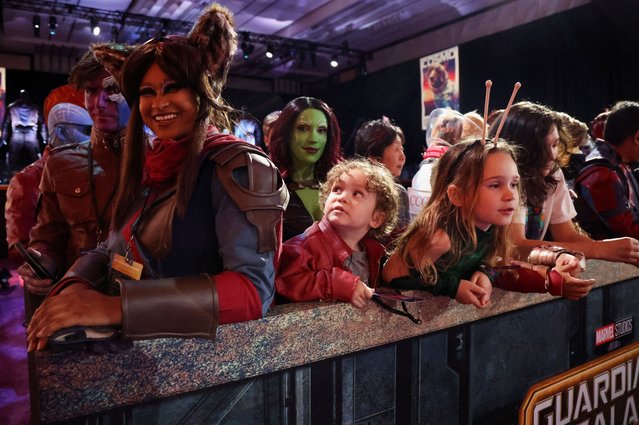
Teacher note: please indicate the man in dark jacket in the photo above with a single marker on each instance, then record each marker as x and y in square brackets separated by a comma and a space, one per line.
[606, 183]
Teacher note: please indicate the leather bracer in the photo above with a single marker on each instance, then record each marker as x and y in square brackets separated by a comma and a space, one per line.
[546, 255]
[265, 198]
[173, 307]
[91, 268]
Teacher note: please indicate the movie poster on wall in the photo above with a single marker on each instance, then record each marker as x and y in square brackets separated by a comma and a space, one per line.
[439, 82]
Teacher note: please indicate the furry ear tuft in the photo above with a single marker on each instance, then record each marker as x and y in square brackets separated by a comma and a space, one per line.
[214, 34]
[112, 56]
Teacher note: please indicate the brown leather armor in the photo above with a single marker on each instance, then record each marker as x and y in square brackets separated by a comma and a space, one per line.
[188, 306]
[173, 307]
[266, 197]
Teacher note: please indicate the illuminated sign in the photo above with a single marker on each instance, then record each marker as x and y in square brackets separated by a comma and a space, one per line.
[613, 331]
[604, 391]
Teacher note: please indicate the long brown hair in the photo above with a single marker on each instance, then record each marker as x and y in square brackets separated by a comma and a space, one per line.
[189, 66]
[463, 166]
[282, 129]
[527, 126]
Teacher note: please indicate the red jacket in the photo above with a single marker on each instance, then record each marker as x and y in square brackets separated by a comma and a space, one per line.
[22, 199]
[312, 265]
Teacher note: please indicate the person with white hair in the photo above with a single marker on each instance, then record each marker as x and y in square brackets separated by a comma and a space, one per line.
[67, 124]
[445, 129]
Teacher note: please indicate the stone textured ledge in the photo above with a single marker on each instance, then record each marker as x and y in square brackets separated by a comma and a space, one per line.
[72, 384]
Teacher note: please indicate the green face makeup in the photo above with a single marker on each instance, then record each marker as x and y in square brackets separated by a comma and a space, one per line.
[308, 138]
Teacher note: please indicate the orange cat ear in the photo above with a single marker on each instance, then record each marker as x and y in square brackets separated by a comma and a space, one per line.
[214, 35]
[112, 57]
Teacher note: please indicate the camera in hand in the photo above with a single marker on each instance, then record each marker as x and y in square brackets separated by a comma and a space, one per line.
[34, 262]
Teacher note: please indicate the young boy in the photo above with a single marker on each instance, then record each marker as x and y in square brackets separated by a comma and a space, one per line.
[338, 257]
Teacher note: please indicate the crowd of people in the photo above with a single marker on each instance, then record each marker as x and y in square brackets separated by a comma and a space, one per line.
[159, 222]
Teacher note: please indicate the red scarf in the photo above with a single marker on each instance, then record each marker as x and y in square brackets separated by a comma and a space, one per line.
[163, 162]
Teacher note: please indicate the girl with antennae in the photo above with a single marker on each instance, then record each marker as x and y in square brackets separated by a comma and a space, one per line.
[457, 244]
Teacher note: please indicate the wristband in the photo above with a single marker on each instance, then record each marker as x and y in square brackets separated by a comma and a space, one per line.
[547, 255]
[554, 282]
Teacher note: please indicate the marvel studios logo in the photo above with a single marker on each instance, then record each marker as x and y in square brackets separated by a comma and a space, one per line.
[613, 331]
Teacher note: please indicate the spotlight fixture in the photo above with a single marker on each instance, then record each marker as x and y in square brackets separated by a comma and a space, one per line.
[36, 26]
[334, 62]
[247, 46]
[95, 28]
[165, 28]
[53, 25]
[115, 33]
[345, 48]
[269, 51]
[247, 49]
[283, 52]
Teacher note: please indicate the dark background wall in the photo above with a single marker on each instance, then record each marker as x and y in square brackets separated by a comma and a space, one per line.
[39, 84]
[578, 62]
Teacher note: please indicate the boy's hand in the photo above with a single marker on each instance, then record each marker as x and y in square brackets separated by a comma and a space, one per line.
[470, 293]
[481, 280]
[361, 295]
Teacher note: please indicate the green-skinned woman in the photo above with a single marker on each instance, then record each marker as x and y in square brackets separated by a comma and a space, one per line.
[305, 144]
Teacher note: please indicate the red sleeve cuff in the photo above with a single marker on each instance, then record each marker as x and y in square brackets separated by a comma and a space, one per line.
[525, 280]
[238, 298]
[344, 283]
[555, 283]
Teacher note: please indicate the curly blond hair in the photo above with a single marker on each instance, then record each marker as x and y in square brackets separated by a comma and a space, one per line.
[378, 181]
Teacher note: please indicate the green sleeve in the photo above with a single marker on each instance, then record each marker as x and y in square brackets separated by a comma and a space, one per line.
[447, 284]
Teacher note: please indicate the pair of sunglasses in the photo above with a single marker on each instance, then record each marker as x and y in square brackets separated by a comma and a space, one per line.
[378, 298]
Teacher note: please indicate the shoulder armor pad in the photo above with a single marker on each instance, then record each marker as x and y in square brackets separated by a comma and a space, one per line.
[265, 198]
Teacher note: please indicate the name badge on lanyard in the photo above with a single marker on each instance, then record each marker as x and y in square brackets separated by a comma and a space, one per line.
[123, 268]
[126, 269]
